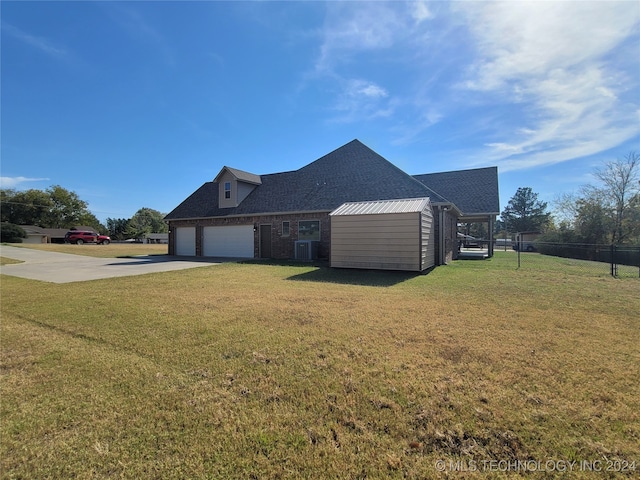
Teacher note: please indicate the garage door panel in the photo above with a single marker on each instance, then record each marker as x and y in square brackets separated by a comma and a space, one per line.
[228, 241]
[186, 241]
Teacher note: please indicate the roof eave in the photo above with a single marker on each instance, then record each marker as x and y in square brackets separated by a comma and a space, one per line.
[242, 178]
[240, 215]
[450, 205]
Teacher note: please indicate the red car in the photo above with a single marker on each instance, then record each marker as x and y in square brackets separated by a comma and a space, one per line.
[81, 236]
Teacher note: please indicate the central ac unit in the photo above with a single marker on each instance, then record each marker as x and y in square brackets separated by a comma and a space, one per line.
[306, 249]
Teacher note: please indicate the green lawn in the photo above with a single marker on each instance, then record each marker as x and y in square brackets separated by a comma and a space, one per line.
[291, 371]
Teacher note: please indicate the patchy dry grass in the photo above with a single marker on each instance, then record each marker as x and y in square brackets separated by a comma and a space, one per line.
[112, 250]
[276, 371]
[8, 261]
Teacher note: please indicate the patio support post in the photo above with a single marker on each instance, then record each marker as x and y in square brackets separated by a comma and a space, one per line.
[491, 227]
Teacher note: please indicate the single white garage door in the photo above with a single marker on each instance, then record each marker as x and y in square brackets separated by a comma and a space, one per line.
[230, 241]
[186, 241]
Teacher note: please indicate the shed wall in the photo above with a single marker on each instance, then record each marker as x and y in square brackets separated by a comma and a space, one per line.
[382, 241]
[427, 240]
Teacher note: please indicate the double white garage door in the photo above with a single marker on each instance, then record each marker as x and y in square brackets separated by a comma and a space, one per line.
[230, 241]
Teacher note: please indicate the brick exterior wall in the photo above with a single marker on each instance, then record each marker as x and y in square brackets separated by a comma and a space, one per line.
[282, 247]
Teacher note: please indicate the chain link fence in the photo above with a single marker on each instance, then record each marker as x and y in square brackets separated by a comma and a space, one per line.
[620, 261]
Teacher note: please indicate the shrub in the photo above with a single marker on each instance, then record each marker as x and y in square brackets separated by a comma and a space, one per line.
[11, 233]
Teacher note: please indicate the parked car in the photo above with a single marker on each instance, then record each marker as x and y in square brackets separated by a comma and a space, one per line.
[526, 246]
[82, 236]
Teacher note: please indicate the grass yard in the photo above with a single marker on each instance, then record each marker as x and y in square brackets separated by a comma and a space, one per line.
[112, 250]
[286, 371]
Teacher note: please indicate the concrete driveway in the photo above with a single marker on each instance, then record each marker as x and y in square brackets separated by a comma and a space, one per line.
[66, 268]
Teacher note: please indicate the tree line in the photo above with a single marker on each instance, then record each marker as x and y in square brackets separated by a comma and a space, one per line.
[57, 207]
[607, 212]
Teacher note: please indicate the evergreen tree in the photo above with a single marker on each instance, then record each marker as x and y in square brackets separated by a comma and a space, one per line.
[525, 213]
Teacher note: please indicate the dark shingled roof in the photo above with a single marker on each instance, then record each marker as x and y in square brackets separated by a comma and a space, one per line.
[472, 191]
[351, 173]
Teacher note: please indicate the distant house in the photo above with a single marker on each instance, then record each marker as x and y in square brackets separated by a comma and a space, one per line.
[37, 234]
[525, 241]
[156, 238]
[293, 214]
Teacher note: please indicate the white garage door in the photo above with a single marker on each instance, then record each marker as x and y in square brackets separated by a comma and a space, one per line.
[186, 241]
[231, 241]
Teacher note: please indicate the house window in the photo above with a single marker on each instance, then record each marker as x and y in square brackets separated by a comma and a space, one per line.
[309, 230]
[285, 229]
[227, 189]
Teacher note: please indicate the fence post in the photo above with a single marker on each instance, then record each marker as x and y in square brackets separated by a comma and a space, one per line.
[611, 259]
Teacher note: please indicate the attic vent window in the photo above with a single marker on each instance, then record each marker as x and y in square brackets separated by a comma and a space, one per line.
[227, 189]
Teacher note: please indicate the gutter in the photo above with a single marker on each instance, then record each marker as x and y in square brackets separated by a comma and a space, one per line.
[264, 214]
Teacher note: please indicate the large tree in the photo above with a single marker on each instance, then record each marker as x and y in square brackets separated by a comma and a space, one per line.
[26, 207]
[56, 207]
[117, 228]
[631, 221]
[525, 213]
[66, 209]
[609, 210]
[146, 220]
[620, 184]
[592, 222]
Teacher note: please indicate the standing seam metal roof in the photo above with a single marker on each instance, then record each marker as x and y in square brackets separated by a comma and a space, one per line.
[407, 205]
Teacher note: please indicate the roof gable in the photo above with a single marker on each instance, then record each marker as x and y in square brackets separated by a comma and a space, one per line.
[473, 191]
[351, 173]
[239, 175]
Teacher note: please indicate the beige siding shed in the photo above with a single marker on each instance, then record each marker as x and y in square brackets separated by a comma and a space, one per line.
[383, 235]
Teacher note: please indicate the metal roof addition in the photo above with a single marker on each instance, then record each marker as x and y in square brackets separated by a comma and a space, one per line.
[376, 207]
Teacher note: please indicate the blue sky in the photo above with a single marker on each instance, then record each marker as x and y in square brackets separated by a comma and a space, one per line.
[137, 104]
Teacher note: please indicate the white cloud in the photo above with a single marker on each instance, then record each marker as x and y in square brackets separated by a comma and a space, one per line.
[421, 11]
[549, 78]
[13, 182]
[40, 43]
[351, 30]
[354, 27]
[517, 40]
[366, 89]
[361, 100]
[554, 60]
[407, 133]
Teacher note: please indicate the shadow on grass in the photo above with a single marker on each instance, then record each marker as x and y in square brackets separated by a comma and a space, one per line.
[322, 273]
[370, 278]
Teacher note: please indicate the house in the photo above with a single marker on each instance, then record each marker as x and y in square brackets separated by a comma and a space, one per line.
[156, 238]
[288, 214]
[525, 241]
[36, 234]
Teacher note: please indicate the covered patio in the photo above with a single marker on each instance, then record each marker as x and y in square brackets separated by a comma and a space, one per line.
[478, 248]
